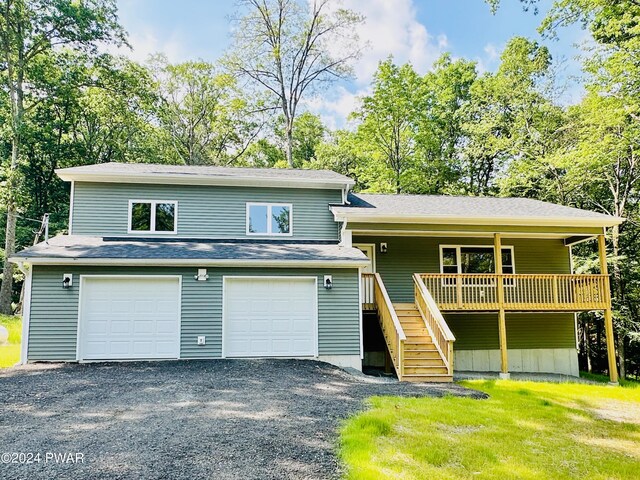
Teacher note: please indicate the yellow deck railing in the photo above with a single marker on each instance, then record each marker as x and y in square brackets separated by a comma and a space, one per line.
[367, 282]
[438, 329]
[522, 292]
[390, 324]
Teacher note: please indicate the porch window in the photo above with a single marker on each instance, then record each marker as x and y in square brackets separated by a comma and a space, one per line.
[152, 216]
[474, 259]
[269, 219]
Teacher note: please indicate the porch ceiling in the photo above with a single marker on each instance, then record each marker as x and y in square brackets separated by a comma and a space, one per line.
[570, 234]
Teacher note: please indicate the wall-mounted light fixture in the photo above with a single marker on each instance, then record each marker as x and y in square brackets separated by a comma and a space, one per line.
[328, 282]
[67, 280]
[383, 248]
[202, 275]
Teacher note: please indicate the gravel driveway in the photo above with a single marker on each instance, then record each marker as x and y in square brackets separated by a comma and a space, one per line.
[221, 419]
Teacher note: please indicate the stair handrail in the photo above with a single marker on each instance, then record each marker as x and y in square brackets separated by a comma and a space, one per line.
[440, 332]
[389, 321]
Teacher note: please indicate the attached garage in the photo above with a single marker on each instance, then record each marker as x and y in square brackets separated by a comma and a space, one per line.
[270, 317]
[129, 317]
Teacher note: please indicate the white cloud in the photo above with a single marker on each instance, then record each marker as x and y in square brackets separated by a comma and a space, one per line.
[392, 28]
[146, 41]
[492, 52]
[335, 109]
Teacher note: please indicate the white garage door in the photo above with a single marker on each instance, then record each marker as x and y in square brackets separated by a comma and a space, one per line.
[129, 317]
[269, 317]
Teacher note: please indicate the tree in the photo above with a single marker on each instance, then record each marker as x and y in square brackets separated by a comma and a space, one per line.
[603, 169]
[440, 129]
[308, 133]
[388, 119]
[504, 117]
[289, 48]
[29, 30]
[342, 153]
[206, 118]
[118, 113]
[595, 159]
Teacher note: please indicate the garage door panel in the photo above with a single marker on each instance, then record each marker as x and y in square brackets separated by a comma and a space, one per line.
[270, 317]
[120, 327]
[127, 318]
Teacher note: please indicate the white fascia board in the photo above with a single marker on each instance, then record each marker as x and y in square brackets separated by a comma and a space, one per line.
[442, 220]
[191, 262]
[204, 180]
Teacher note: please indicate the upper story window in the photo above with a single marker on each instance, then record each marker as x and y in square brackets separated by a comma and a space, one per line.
[269, 219]
[153, 216]
[472, 259]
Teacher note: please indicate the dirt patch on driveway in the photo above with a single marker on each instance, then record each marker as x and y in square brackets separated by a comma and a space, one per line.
[222, 419]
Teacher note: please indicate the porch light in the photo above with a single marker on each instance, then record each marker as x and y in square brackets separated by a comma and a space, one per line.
[67, 280]
[202, 275]
[328, 282]
[383, 248]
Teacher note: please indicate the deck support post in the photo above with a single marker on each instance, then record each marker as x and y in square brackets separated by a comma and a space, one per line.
[502, 322]
[608, 316]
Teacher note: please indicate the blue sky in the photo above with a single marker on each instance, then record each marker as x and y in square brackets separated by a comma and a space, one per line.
[411, 30]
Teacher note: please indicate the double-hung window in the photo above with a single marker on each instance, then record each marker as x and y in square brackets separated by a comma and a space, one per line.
[474, 259]
[273, 219]
[153, 216]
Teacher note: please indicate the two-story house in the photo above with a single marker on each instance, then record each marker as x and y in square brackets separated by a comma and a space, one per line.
[179, 262]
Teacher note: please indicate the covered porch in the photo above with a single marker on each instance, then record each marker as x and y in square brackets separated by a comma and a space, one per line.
[485, 317]
[487, 275]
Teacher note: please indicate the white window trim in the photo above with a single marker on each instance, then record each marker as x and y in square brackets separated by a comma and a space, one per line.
[153, 218]
[269, 206]
[459, 265]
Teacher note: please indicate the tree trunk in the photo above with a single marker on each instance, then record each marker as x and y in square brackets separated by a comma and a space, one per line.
[586, 339]
[289, 146]
[621, 356]
[15, 77]
[6, 290]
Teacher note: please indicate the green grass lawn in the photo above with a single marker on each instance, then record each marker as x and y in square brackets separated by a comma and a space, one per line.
[524, 430]
[10, 354]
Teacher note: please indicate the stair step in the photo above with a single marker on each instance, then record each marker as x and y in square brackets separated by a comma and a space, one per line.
[416, 332]
[400, 306]
[410, 355]
[427, 378]
[424, 370]
[423, 362]
[411, 321]
[419, 344]
[417, 339]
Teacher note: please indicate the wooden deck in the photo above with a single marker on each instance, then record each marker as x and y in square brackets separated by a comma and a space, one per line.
[521, 292]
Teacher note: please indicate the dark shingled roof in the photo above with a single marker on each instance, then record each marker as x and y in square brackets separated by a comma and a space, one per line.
[84, 247]
[205, 171]
[464, 207]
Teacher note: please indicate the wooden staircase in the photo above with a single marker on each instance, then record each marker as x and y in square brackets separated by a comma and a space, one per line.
[422, 362]
[419, 341]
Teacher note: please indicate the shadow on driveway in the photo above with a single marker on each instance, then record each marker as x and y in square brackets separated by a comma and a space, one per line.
[222, 419]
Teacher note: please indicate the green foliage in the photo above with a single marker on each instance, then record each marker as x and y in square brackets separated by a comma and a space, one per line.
[204, 117]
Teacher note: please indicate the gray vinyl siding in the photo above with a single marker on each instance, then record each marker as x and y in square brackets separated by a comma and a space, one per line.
[203, 211]
[479, 331]
[408, 255]
[54, 310]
